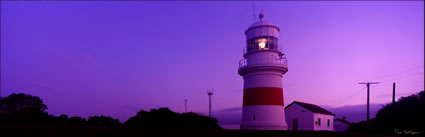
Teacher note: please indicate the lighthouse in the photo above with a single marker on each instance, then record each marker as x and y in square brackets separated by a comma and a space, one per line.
[262, 68]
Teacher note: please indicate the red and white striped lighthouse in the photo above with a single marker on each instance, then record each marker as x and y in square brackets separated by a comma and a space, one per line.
[262, 69]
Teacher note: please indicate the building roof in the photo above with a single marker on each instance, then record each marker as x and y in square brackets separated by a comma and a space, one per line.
[312, 108]
[343, 121]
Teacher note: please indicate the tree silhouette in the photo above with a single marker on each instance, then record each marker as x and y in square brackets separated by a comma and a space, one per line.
[62, 119]
[17, 102]
[103, 121]
[191, 120]
[27, 109]
[407, 114]
[165, 118]
[23, 108]
[76, 121]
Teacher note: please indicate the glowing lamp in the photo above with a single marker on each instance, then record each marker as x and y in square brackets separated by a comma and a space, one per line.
[262, 44]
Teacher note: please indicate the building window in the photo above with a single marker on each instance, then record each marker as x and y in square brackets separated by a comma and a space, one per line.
[329, 123]
[318, 121]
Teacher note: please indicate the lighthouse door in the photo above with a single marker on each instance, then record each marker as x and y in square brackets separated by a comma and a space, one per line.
[295, 124]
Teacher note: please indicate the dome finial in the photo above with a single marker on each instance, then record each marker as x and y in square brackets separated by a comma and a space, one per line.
[261, 15]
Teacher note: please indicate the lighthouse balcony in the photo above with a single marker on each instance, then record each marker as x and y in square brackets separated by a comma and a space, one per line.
[264, 61]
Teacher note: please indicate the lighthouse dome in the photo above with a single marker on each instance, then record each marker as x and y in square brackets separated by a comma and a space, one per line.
[262, 28]
[262, 23]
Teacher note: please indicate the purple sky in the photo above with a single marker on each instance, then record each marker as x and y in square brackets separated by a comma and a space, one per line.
[115, 58]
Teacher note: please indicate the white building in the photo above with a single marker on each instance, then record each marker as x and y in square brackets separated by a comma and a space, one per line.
[262, 69]
[304, 116]
[341, 125]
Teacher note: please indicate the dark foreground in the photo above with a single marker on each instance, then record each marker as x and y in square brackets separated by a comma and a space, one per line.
[69, 131]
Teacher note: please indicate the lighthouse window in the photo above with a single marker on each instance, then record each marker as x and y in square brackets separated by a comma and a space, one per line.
[262, 43]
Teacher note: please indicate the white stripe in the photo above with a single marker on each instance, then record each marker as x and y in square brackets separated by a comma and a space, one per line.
[263, 117]
[263, 79]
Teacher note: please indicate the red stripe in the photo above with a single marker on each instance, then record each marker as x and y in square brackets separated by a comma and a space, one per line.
[263, 96]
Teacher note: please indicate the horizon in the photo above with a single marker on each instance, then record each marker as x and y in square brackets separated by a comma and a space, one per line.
[116, 58]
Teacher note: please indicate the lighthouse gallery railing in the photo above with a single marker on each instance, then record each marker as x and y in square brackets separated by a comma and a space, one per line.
[264, 60]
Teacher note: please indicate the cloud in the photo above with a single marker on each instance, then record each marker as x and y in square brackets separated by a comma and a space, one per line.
[355, 113]
[230, 118]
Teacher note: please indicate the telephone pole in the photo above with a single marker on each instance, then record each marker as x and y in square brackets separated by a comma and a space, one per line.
[185, 105]
[393, 93]
[210, 93]
[368, 91]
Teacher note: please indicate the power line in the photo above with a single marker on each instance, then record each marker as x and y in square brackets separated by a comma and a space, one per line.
[349, 97]
[386, 76]
[404, 71]
[357, 92]
[415, 74]
[411, 92]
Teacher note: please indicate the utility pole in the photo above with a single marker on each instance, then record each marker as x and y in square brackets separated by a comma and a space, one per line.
[393, 93]
[185, 105]
[368, 91]
[210, 93]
